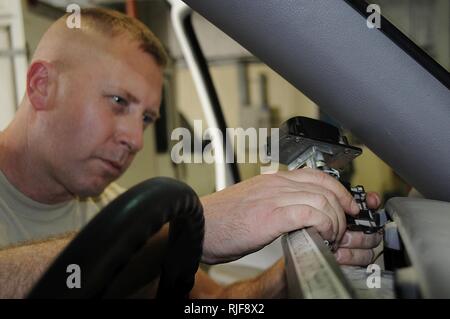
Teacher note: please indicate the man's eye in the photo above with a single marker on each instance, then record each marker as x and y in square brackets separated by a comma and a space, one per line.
[147, 119]
[119, 100]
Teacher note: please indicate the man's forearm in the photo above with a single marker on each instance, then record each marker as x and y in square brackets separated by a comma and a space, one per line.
[22, 266]
[270, 284]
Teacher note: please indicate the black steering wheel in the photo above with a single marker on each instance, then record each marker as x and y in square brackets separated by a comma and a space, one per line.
[122, 233]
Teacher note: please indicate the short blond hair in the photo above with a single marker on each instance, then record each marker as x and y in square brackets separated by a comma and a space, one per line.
[113, 23]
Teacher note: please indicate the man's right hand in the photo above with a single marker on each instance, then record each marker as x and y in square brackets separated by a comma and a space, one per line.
[247, 216]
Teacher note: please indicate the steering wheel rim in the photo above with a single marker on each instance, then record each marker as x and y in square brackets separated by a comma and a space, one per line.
[106, 244]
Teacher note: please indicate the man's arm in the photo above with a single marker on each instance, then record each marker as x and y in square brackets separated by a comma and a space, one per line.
[270, 284]
[22, 266]
[245, 217]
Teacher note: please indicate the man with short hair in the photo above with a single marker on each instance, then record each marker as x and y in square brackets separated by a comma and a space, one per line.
[91, 93]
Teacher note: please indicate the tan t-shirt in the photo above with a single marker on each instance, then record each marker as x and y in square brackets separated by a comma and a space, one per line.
[23, 219]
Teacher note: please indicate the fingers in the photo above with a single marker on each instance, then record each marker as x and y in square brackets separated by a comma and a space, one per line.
[356, 248]
[338, 211]
[358, 239]
[323, 200]
[354, 257]
[289, 218]
[373, 200]
[313, 176]
[313, 188]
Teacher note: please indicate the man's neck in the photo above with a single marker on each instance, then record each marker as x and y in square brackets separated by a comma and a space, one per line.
[24, 171]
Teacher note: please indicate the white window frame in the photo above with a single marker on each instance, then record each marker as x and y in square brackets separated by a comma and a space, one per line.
[11, 18]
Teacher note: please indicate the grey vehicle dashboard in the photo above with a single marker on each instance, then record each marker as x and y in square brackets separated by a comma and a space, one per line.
[423, 226]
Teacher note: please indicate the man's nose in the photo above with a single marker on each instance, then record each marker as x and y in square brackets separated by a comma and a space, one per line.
[132, 135]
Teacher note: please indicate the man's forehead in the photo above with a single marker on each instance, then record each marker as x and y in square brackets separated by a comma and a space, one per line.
[122, 58]
[115, 61]
[141, 79]
[87, 44]
[127, 53]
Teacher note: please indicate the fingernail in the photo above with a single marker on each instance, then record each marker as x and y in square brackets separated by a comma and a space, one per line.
[355, 207]
[378, 200]
[337, 255]
[346, 240]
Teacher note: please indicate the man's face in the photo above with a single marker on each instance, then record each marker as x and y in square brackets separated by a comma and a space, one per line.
[100, 112]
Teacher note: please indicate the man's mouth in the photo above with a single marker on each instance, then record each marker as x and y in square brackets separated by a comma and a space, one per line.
[114, 167]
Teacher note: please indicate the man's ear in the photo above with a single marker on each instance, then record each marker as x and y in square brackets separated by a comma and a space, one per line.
[41, 80]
